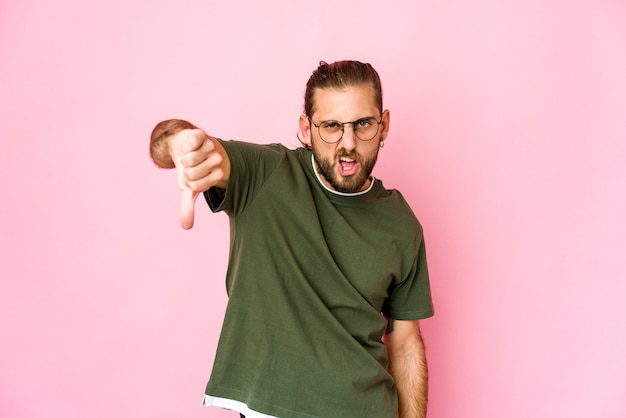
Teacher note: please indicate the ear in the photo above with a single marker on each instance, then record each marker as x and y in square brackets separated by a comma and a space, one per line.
[384, 125]
[305, 128]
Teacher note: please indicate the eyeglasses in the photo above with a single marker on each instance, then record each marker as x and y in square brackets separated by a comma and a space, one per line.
[331, 131]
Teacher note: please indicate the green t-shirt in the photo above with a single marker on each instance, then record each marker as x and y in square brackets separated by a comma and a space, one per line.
[310, 272]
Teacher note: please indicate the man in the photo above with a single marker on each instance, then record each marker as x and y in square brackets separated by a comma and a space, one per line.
[327, 274]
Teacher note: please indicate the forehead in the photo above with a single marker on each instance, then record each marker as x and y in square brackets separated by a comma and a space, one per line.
[346, 103]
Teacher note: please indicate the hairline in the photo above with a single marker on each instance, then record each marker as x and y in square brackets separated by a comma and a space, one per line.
[377, 101]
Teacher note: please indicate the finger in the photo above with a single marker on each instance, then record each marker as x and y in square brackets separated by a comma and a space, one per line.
[193, 140]
[187, 204]
[196, 154]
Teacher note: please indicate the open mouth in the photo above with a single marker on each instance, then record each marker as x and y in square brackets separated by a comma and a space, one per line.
[347, 165]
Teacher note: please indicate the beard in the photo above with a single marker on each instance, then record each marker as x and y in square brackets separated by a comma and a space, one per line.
[351, 184]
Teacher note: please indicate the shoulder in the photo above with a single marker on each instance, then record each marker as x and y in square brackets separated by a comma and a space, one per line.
[393, 201]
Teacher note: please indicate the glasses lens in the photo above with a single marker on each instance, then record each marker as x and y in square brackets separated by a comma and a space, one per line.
[366, 129]
[331, 131]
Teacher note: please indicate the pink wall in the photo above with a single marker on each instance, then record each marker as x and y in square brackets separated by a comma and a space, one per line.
[508, 138]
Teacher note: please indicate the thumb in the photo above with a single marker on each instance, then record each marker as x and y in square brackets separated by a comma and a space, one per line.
[187, 205]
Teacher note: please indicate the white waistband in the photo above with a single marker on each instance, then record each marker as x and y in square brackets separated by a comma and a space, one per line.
[233, 405]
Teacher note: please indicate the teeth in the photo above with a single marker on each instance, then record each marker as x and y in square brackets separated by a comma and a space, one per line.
[347, 160]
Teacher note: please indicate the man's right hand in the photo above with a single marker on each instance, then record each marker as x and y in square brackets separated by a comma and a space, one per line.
[201, 163]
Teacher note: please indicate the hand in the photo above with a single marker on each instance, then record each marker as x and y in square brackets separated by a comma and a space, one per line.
[199, 166]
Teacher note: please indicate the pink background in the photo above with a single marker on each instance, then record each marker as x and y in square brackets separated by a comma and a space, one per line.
[508, 138]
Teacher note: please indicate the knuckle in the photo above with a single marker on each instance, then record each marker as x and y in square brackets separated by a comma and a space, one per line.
[219, 173]
[194, 186]
[188, 159]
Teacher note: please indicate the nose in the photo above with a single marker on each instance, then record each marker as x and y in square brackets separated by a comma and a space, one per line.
[348, 140]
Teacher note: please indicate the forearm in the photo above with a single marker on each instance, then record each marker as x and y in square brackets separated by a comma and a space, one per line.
[408, 367]
[159, 140]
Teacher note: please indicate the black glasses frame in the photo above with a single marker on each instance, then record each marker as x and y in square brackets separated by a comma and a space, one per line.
[343, 128]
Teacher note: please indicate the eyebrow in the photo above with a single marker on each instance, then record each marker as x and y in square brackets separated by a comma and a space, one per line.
[350, 121]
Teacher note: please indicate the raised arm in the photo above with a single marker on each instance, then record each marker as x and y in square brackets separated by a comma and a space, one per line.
[200, 161]
[407, 365]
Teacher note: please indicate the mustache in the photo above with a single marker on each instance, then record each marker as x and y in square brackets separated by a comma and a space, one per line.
[353, 155]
